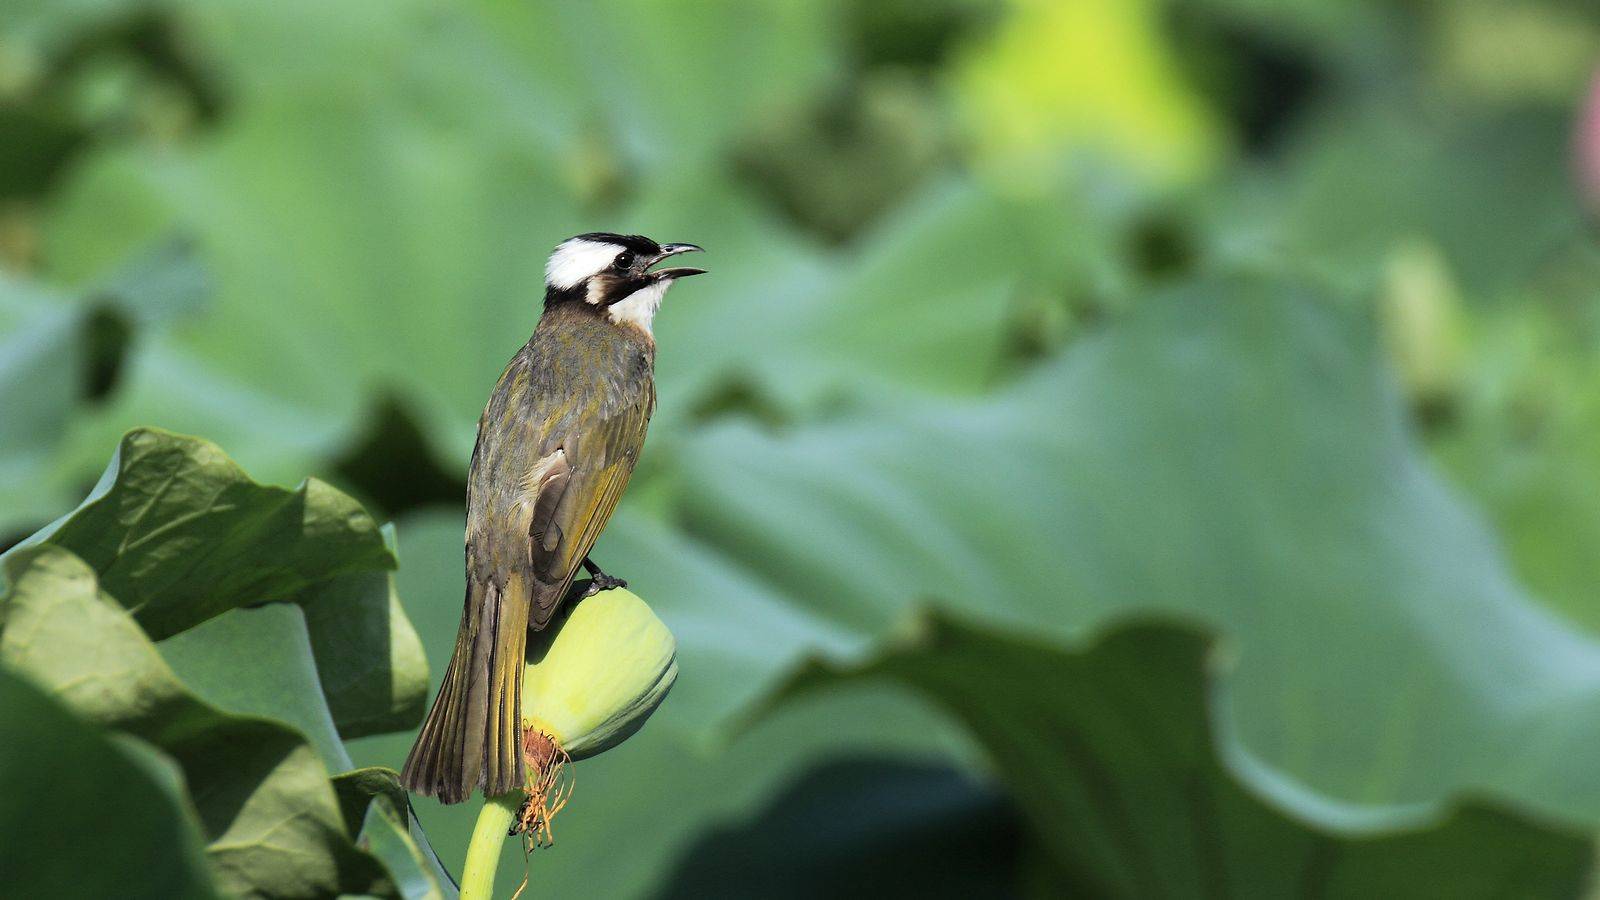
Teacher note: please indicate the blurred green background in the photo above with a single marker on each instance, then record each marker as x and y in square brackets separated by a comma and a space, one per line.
[1275, 322]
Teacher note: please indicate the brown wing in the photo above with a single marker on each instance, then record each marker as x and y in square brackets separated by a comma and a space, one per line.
[575, 499]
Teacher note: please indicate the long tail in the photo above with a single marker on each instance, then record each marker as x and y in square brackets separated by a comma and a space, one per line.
[473, 735]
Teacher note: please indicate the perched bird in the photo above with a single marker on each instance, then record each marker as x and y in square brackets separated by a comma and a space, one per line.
[556, 445]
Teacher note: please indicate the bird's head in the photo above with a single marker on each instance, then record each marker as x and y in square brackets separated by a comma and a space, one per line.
[612, 273]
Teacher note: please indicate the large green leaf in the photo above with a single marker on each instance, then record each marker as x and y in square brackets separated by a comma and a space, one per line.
[180, 534]
[86, 815]
[263, 797]
[747, 62]
[1111, 753]
[1490, 187]
[251, 702]
[1232, 451]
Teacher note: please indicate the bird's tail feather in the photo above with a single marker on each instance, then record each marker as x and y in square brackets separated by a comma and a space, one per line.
[473, 735]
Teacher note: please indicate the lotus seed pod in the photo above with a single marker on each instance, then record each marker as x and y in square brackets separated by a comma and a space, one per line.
[593, 679]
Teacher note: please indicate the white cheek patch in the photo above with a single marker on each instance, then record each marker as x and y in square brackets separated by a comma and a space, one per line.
[577, 259]
[639, 308]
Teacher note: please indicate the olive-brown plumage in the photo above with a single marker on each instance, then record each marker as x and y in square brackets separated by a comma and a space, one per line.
[556, 445]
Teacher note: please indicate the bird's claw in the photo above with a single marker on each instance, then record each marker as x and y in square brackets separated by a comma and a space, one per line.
[603, 582]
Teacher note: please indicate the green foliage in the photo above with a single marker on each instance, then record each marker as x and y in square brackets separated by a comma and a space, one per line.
[963, 346]
[261, 794]
[41, 361]
[162, 499]
[1231, 451]
[232, 702]
[179, 534]
[86, 813]
[1280, 527]
[1119, 772]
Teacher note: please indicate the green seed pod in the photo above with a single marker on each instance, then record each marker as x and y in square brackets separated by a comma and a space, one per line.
[593, 679]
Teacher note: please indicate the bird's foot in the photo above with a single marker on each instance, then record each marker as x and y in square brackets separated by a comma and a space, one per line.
[598, 580]
[603, 582]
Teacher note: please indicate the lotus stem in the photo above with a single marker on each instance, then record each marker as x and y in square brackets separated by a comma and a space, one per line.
[483, 852]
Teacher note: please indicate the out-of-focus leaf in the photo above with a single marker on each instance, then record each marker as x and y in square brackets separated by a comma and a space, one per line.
[1110, 752]
[837, 168]
[265, 804]
[83, 819]
[1504, 51]
[922, 305]
[1317, 25]
[179, 533]
[100, 224]
[1491, 189]
[60, 352]
[1523, 427]
[748, 62]
[841, 824]
[167, 281]
[1092, 75]
[1588, 148]
[165, 384]
[1232, 451]
[1420, 311]
[41, 380]
[377, 809]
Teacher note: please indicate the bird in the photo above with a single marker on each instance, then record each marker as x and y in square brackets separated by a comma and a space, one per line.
[557, 443]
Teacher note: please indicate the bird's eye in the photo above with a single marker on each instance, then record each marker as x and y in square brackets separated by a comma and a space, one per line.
[624, 259]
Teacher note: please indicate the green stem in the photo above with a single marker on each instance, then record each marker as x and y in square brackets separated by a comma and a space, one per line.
[483, 853]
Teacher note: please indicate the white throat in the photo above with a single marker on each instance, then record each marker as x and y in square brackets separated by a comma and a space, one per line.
[639, 308]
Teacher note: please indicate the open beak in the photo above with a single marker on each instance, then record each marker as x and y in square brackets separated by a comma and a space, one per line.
[678, 272]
